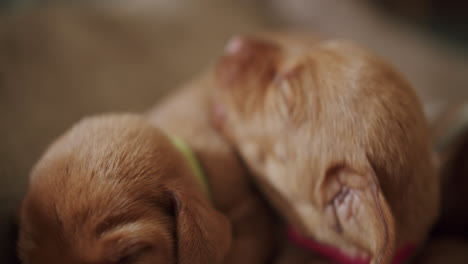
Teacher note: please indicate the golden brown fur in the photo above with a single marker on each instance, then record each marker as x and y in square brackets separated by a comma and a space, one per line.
[336, 139]
[113, 189]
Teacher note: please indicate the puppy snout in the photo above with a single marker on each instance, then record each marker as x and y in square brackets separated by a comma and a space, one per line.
[235, 45]
[241, 44]
[246, 57]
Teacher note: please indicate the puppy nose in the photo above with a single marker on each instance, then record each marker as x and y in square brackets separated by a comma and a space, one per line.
[247, 58]
[235, 45]
[247, 46]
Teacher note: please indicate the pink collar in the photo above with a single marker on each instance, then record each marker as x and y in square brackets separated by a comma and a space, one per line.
[339, 256]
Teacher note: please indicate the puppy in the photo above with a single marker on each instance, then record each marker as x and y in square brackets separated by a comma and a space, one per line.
[120, 189]
[336, 139]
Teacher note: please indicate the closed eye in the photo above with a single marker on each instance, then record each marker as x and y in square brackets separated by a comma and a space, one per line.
[134, 254]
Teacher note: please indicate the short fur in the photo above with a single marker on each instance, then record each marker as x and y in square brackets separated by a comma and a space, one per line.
[113, 189]
[336, 139]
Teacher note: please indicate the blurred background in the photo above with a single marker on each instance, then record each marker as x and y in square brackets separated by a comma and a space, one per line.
[62, 60]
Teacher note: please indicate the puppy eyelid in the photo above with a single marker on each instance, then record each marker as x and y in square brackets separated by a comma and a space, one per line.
[132, 256]
[124, 260]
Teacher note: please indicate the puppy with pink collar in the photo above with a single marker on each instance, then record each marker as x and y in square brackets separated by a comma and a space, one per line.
[336, 140]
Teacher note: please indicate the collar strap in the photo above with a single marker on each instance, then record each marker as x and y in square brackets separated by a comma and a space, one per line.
[193, 161]
[338, 256]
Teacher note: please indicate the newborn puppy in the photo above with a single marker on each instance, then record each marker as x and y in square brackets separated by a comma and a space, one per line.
[116, 189]
[337, 141]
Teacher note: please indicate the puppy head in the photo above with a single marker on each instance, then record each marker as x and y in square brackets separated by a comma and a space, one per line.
[334, 132]
[114, 190]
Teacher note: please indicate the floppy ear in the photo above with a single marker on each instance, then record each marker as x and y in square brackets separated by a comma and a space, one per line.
[356, 208]
[203, 234]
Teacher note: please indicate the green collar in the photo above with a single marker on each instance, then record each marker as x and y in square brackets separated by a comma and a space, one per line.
[193, 161]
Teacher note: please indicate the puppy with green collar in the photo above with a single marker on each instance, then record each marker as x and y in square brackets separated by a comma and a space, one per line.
[160, 188]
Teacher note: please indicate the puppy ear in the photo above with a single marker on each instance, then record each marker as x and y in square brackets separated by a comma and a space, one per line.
[356, 208]
[203, 234]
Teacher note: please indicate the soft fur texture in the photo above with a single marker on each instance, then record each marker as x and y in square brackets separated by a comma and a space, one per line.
[336, 138]
[114, 189]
